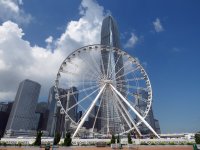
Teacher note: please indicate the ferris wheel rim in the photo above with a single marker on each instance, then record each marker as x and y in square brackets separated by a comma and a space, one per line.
[115, 49]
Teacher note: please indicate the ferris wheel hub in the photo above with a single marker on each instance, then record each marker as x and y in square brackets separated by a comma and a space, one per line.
[107, 81]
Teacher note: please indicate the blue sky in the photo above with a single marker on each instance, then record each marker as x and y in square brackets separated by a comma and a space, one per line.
[163, 35]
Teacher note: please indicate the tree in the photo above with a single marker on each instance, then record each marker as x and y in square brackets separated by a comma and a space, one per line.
[112, 141]
[56, 139]
[118, 139]
[68, 139]
[129, 138]
[197, 138]
[38, 138]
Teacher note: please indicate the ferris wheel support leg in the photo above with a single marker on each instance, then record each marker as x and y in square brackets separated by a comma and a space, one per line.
[133, 109]
[88, 111]
[128, 115]
[118, 107]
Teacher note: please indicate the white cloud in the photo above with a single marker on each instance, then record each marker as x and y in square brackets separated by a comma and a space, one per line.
[86, 30]
[20, 60]
[10, 10]
[131, 41]
[158, 26]
[49, 42]
[49, 39]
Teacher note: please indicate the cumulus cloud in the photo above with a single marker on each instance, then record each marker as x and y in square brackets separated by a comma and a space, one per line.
[131, 41]
[19, 60]
[49, 42]
[11, 10]
[86, 30]
[157, 25]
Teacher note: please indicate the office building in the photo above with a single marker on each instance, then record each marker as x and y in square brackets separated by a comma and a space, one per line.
[5, 108]
[23, 117]
[42, 111]
[150, 117]
[57, 122]
[110, 37]
[52, 110]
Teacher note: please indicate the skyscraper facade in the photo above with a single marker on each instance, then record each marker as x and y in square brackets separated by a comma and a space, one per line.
[42, 111]
[112, 68]
[140, 97]
[63, 123]
[5, 109]
[57, 123]
[23, 116]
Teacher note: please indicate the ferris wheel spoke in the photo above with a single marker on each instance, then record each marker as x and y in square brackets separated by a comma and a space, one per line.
[135, 111]
[132, 87]
[79, 91]
[132, 71]
[127, 113]
[133, 95]
[107, 115]
[118, 112]
[97, 112]
[90, 66]
[96, 65]
[102, 66]
[123, 115]
[96, 68]
[66, 114]
[113, 68]
[83, 99]
[139, 110]
[108, 64]
[130, 79]
[84, 81]
[89, 110]
[92, 77]
[125, 65]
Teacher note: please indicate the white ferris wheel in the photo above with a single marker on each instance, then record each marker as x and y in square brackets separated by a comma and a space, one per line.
[109, 92]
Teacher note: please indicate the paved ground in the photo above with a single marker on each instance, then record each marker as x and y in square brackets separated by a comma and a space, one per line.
[106, 148]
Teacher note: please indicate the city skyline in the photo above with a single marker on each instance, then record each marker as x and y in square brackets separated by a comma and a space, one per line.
[164, 40]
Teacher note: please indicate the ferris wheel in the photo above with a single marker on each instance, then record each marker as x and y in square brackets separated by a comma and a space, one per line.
[108, 91]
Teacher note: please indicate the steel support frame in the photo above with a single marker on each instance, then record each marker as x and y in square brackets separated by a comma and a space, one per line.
[135, 111]
[88, 111]
[128, 115]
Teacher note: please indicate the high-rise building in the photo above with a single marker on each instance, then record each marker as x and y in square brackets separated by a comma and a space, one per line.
[52, 110]
[142, 94]
[63, 124]
[5, 109]
[23, 117]
[42, 111]
[114, 62]
[110, 37]
[91, 119]
[57, 122]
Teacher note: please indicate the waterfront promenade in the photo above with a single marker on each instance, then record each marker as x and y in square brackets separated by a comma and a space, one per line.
[140, 147]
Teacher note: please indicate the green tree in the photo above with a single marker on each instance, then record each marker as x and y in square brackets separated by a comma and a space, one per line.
[129, 138]
[197, 138]
[56, 139]
[112, 141]
[38, 138]
[68, 139]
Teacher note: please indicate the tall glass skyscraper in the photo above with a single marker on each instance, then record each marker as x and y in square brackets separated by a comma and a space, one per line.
[111, 67]
[23, 116]
[112, 63]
